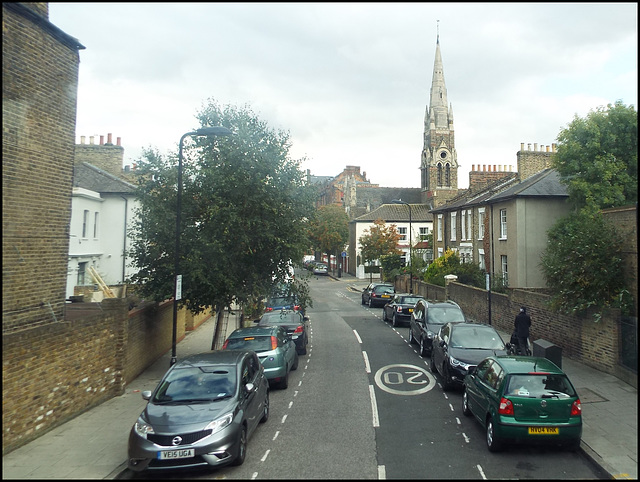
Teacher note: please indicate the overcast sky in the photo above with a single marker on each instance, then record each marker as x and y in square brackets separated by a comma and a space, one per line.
[350, 81]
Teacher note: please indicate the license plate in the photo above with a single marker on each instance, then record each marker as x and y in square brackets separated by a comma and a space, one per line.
[176, 454]
[543, 431]
[386, 296]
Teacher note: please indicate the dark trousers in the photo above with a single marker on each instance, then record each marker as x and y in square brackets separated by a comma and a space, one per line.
[523, 347]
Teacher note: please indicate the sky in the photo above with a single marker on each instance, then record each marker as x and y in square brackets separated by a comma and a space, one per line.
[350, 82]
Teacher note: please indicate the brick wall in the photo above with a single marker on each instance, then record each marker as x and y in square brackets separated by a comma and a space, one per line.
[39, 87]
[108, 157]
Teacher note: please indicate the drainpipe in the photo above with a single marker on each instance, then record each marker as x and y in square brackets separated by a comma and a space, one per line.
[124, 241]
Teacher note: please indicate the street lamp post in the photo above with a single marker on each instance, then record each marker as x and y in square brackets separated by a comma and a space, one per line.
[177, 295]
[399, 201]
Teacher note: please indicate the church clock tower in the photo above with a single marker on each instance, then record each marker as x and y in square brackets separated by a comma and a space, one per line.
[439, 164]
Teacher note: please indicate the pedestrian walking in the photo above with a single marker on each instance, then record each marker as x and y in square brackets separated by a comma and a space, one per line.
[521, 325]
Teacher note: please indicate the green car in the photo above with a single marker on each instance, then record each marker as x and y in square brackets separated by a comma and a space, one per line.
[275, 348]
[523, 399]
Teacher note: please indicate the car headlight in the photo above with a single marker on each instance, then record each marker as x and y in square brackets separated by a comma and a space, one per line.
[142, 427]
[220, 423]
[430, 334]
[457, 363]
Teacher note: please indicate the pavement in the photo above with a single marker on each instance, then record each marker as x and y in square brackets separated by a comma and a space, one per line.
[93, 445]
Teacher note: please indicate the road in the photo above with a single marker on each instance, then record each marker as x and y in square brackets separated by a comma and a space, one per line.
[364, 405]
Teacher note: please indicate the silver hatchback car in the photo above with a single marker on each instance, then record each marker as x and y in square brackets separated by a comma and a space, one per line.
[202, 412]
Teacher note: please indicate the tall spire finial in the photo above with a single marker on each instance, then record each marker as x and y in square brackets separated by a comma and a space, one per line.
[438, 31]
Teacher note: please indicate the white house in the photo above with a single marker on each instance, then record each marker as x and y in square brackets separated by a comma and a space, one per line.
[102, 207]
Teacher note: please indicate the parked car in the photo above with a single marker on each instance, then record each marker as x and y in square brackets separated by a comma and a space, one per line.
[202, 413]
[460, 346]
[377, 294]
[399, 309]
[292, 321]
[523, 399]
[427, 318]
[275, 348]
[286, 302]
[321, 268]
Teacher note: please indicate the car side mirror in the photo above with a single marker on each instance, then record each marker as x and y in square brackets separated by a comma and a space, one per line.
[250, 387]
[146, 394]
[257, 321]
[443, 343]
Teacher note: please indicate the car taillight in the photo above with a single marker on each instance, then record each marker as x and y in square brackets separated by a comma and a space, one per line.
[274, 343]
[299, 329]
[399, 310]
[224, 346]
[296, 308]
[268, 309]
[576, 408]
[506, 407]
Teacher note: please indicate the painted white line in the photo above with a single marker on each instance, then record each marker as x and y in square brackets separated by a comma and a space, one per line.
[382, 472]
[374, 407]
[445, 396]
[458, 421]
[295, 393]
[264, 457]
[290, 404]
[276, 435]
[451, 407]
[254, 476]
[481, 472]
[466, 439]
[357, 336]
[367, 366]
[283, 419]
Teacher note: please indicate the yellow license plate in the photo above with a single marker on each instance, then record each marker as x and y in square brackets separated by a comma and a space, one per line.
[543, 431]
[386, 296]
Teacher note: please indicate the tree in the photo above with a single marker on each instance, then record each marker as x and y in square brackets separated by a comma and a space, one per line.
[449, 263]
[582, 264]
[597, 158]
[329, 229]
[244, 207]
[379, 240]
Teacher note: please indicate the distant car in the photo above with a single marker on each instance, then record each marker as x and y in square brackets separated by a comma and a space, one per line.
[278, 303]
[377, 294]
[460, 346]
[292, 321]
[275, 348]
[427, 318]
[320, 268]
[399, 309]
[523, 399]
[202, 413]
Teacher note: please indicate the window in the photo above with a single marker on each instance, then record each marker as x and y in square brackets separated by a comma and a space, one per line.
[439, 227]
[85, 223]
[503, 224]
[439, 174]
[424, 232]
[403, 234]
[463, 225]
[82, 273]
[453, 226]
[480, 223]
[447, 174]
[440, 252]
[503, 262]
[95, 224]
[481, 264]
[469, 226]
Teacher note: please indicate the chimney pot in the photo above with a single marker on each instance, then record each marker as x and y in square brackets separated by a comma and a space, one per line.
[528, 146]
[82, 139]
[102, 140]
[91, 140]
[118, 141]
[109, 138]
[522, 146]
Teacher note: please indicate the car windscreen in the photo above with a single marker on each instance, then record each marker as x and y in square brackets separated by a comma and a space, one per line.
[477, 337]
[439, 315]
[409, 300]
[383, 289]
[196, 384]
[279, 319]
[286, 301]
[255, 343]
[539, 385]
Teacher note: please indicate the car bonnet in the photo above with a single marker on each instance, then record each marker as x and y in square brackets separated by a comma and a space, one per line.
[473, 356]
[183, 417]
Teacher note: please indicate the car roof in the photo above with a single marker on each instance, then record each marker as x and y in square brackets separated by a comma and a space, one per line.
[290, 314]
[255, 331]
[526, 364]
[431, 303]
[213, 358]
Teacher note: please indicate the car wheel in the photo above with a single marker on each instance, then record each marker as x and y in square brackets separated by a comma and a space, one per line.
[394, 322]
[432, 364]
[465, 403]
[242, 447]
[447, 382]
[265, 410]
[492, 442]
[296, 360]
[370, 304]
[384, 315]
[284, 383]
[423, 348]
[412, 340]
[362, 300]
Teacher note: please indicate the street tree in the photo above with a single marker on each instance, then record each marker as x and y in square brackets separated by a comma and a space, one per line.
[378, 241]
[244, 207]
[597, 158]
[329, 229]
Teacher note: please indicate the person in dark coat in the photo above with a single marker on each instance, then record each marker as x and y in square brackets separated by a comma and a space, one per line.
[522, 324]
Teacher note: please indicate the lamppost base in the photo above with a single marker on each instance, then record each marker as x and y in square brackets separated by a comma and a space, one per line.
[173, 361]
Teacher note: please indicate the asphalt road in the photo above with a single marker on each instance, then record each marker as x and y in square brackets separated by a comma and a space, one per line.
[364, 405]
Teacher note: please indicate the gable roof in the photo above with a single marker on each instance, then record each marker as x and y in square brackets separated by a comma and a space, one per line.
[95, 179]
[398, 213]
[545, 183]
